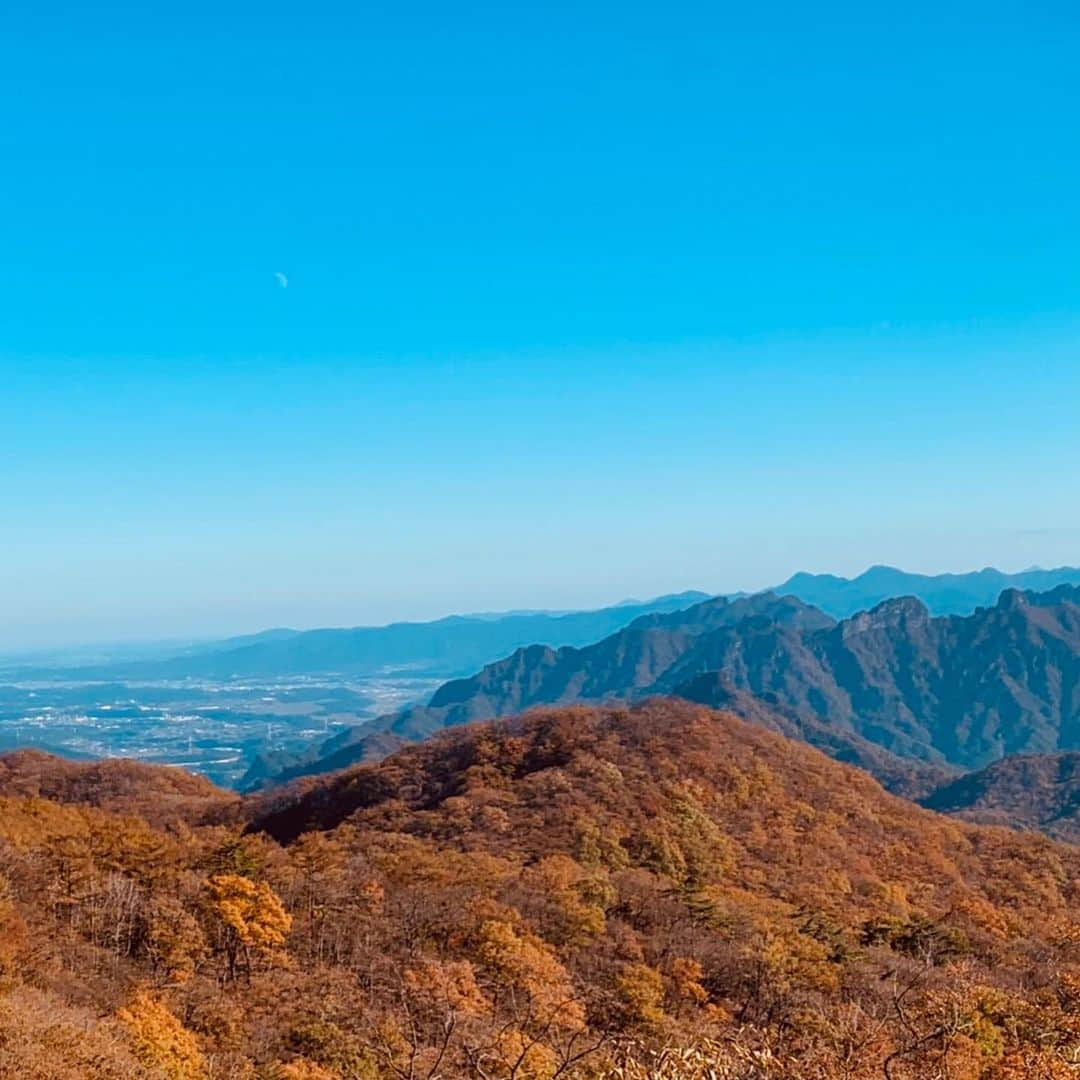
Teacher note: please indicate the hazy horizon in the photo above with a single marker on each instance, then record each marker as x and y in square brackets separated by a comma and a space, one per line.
[227, 630]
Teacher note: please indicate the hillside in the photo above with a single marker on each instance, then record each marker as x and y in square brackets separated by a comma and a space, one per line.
[157, 793]
[962, 691]
[1025, 791]
[591, 892]
[957, 692]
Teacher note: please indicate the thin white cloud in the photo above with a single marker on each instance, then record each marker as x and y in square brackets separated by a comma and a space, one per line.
[282, 280]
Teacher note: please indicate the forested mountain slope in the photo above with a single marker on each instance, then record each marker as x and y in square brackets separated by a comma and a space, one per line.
[657, 891]
[159, 794]
[1028, 791]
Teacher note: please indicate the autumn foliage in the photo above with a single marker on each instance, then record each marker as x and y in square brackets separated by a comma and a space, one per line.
[658, 892]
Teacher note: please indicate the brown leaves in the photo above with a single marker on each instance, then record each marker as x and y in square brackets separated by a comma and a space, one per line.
[446, 987]
[521, 962]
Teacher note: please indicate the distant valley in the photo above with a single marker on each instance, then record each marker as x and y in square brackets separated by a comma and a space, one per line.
[210, 727]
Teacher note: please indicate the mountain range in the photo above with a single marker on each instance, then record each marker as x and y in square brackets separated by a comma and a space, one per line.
[952, 692]
[459, 644]
[943, 594]
[455, 644]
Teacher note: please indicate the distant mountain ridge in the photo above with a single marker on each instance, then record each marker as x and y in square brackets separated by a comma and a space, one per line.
[943, 594]
[460, 644]
[448, 646]
[956, 692]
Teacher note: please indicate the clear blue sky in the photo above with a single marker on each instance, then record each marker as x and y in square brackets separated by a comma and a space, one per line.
[582, 301]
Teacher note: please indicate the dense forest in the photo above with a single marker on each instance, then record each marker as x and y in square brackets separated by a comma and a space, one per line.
[658, 891]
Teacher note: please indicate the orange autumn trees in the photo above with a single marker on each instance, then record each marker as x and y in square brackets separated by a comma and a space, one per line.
[160, 1041]
[250, 921]
[652, 892]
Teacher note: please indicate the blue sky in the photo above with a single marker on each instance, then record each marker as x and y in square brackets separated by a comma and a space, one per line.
[582, 301]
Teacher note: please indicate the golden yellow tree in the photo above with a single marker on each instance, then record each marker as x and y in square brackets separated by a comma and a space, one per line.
[160, 1041]
[251, 919]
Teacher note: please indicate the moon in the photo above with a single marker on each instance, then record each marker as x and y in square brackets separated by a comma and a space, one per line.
[282, 280]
